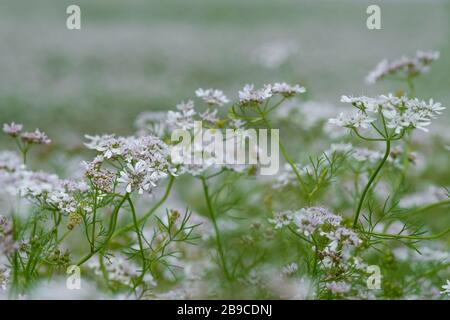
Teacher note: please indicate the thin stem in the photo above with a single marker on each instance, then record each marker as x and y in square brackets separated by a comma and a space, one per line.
[216, 228]
[366, 138]
[145, 217]
[138, 233]
[284, 151]
[411, 237]
[369, 183]
[112, 227]
[94, 217]
[429, 206]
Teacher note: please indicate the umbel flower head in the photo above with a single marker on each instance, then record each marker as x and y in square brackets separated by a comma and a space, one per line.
[212, 96]
[403, 67]
[33, 137]
[399, 113]
[249, 95]
[143, 161]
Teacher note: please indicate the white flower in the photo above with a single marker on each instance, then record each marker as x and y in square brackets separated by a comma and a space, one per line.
[355, 120]
[209, 116]
[4, 276]
[212, 96]
[182, 119]
[286, 90]
[446, 288]
[249, 95]
[36, 136]
[12, 129]
[107, 144]
[10, 161]
[338, 287]
[282, 219]
[406, 67]
[134, 176]
[289, 269]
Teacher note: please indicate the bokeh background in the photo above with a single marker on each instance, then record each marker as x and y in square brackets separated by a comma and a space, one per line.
[138, 55]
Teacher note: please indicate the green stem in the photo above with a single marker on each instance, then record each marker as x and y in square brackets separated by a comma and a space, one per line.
[112, 227]
[412, 237]
[216, 229]
[369, 183]
[94, 217]
[144, 218]
[284, 152]
[138, 233]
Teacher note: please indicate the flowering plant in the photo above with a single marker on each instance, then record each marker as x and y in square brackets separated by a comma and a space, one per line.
[336, 222]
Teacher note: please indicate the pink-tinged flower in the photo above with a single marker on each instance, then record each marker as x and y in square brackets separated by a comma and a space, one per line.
[13, 129]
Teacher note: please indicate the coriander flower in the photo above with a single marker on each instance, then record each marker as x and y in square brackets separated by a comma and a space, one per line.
[212, 96]
[37, 137]
[107, 144]
[406, 67]
[135, 177]
[286, 90]
[182, 119]
[338, 287]
[355, 120]
[4, 276]
[446, 288]
[399, 113]
[12, 129]
[289, 269]
[282, 219]
[248, 95]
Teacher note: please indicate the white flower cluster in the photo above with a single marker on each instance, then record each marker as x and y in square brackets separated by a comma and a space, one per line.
[120, 270]
[183, 118]
[15, 130]
[401, 113]
[289, 269]
[4, 276]
[48, 189]
[446, 288]
[406, 67]
[249, 95]
[7, 243]
[212, 96]
[319, 222]
[144, 161]
[338, 287]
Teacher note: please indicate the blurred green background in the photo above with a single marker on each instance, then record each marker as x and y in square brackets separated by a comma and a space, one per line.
[138, 55]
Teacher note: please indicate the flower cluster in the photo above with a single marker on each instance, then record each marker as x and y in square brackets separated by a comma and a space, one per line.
[399, 113]
[120, 270]
[7, 243]
[183, 118]
[4, 276]
[404, 67]
[48, 190]
[249, 95]
[446, 288]
[33, 137]
[319, 222]
[212, 96]
[143, 162]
